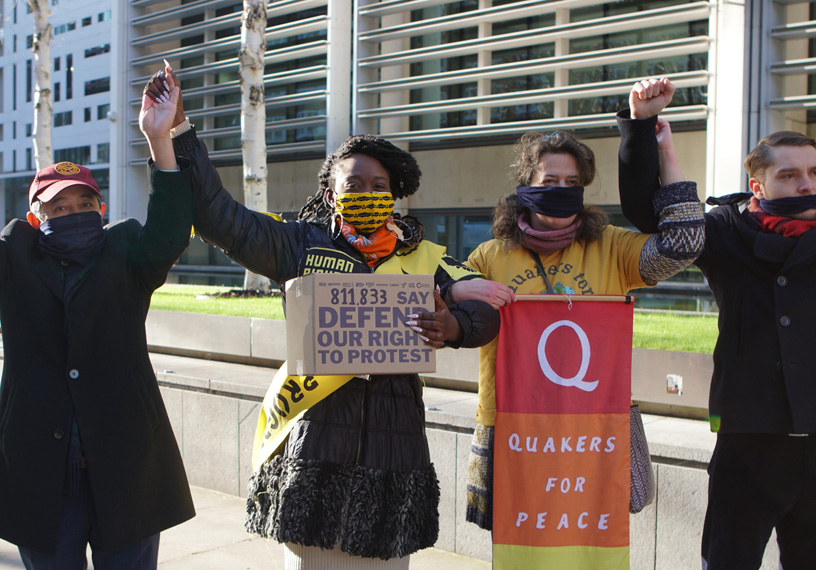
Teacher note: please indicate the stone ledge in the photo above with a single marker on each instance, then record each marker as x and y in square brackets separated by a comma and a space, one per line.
[256, 341]
[671, 439]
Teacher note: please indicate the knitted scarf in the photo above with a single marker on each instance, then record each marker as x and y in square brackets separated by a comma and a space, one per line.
[783, 225]
[548, 241]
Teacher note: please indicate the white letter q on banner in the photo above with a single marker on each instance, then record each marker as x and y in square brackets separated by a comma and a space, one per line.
[576, 381]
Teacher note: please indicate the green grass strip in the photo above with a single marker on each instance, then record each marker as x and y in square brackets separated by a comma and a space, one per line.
[683, 332]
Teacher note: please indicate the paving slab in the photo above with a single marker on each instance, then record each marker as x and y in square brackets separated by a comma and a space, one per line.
[215, 540]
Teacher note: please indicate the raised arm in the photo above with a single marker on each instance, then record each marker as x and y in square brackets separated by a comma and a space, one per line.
[156, 118]
[155, 246]
[638, 156]
[257, 241]
[654, 194]
[669, 166]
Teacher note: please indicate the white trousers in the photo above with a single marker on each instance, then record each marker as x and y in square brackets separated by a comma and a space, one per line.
[299, 557]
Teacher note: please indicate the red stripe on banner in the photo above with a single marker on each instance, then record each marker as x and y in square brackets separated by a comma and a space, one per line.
[565, 357]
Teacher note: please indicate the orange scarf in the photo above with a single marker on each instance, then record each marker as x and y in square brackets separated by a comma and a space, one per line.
[374, 247]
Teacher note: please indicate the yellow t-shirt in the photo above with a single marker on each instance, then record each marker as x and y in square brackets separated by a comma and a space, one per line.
[606, 266]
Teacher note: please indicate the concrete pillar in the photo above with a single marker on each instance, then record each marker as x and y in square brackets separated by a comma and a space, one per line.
[338, 80]
[728, 107]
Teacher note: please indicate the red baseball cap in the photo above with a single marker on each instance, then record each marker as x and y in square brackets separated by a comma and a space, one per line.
[53, 179]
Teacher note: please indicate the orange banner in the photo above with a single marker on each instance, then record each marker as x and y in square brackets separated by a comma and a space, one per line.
[561, 460]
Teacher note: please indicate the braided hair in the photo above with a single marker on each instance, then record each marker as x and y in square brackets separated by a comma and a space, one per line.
[403, 172]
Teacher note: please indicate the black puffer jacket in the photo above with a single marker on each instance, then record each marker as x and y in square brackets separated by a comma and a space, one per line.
[356, 469]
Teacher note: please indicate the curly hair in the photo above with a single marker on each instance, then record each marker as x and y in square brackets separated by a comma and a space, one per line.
[508, 210]
[403, 173]
[528, 151]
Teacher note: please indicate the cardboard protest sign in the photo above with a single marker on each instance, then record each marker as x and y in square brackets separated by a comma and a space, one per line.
[561, 463]
[353, 323]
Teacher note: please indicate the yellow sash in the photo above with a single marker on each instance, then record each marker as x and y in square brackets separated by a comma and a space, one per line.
[286, 400]
[289, 397]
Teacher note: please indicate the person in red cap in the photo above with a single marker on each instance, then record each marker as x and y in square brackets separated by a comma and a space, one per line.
[87, 453]
[52, 180]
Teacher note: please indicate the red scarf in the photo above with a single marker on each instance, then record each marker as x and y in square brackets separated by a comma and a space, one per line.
[374, 247]
[783, 225]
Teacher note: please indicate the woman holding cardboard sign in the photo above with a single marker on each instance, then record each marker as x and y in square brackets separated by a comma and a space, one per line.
[548, 241]
[352, 485]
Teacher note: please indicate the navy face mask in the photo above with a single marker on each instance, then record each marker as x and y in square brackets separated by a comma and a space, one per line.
[75, 238]
[788, 206]
[553, 201]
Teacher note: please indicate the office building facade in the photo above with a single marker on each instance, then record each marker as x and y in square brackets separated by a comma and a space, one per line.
[456, 83]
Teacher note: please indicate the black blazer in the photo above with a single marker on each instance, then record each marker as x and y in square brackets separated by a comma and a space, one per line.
[87, 356]
[764, 380]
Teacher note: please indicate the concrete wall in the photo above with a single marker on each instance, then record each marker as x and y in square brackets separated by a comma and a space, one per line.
[263, 341]
[214, 406]
[214, 420]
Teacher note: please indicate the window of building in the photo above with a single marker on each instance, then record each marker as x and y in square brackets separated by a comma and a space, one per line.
[28, 129]
[62, 28]
[551, 72]
[104, 16]
[97, 86]
[103, 110]
[86, 21]
[63, 119]
[87, 114]
[77, 155]
[461, 233]
[56, 92]
[29, 42]
[69, 76]
[98, 50]
[56, 64]
[14, 130]
[194, 40]
[227, 32]
[29, 160]
[29, 82]
[14, 87]
[103, 152]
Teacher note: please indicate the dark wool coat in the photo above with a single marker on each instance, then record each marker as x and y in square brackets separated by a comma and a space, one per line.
[88, 357]
[356, 470]
[764, 380]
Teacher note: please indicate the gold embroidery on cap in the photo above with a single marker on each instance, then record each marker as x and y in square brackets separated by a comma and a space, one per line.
[66, 168]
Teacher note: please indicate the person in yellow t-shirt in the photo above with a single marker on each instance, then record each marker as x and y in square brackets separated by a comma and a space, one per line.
[547, 241]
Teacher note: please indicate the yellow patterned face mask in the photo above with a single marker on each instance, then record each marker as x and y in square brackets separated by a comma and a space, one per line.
[366, 211]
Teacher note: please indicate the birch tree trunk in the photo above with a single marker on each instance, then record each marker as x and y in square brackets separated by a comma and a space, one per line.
[253, 115]
[43, 111]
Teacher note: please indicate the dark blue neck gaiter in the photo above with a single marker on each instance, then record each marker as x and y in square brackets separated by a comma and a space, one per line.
[554, 201]
[76, 238]
[788, 206]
